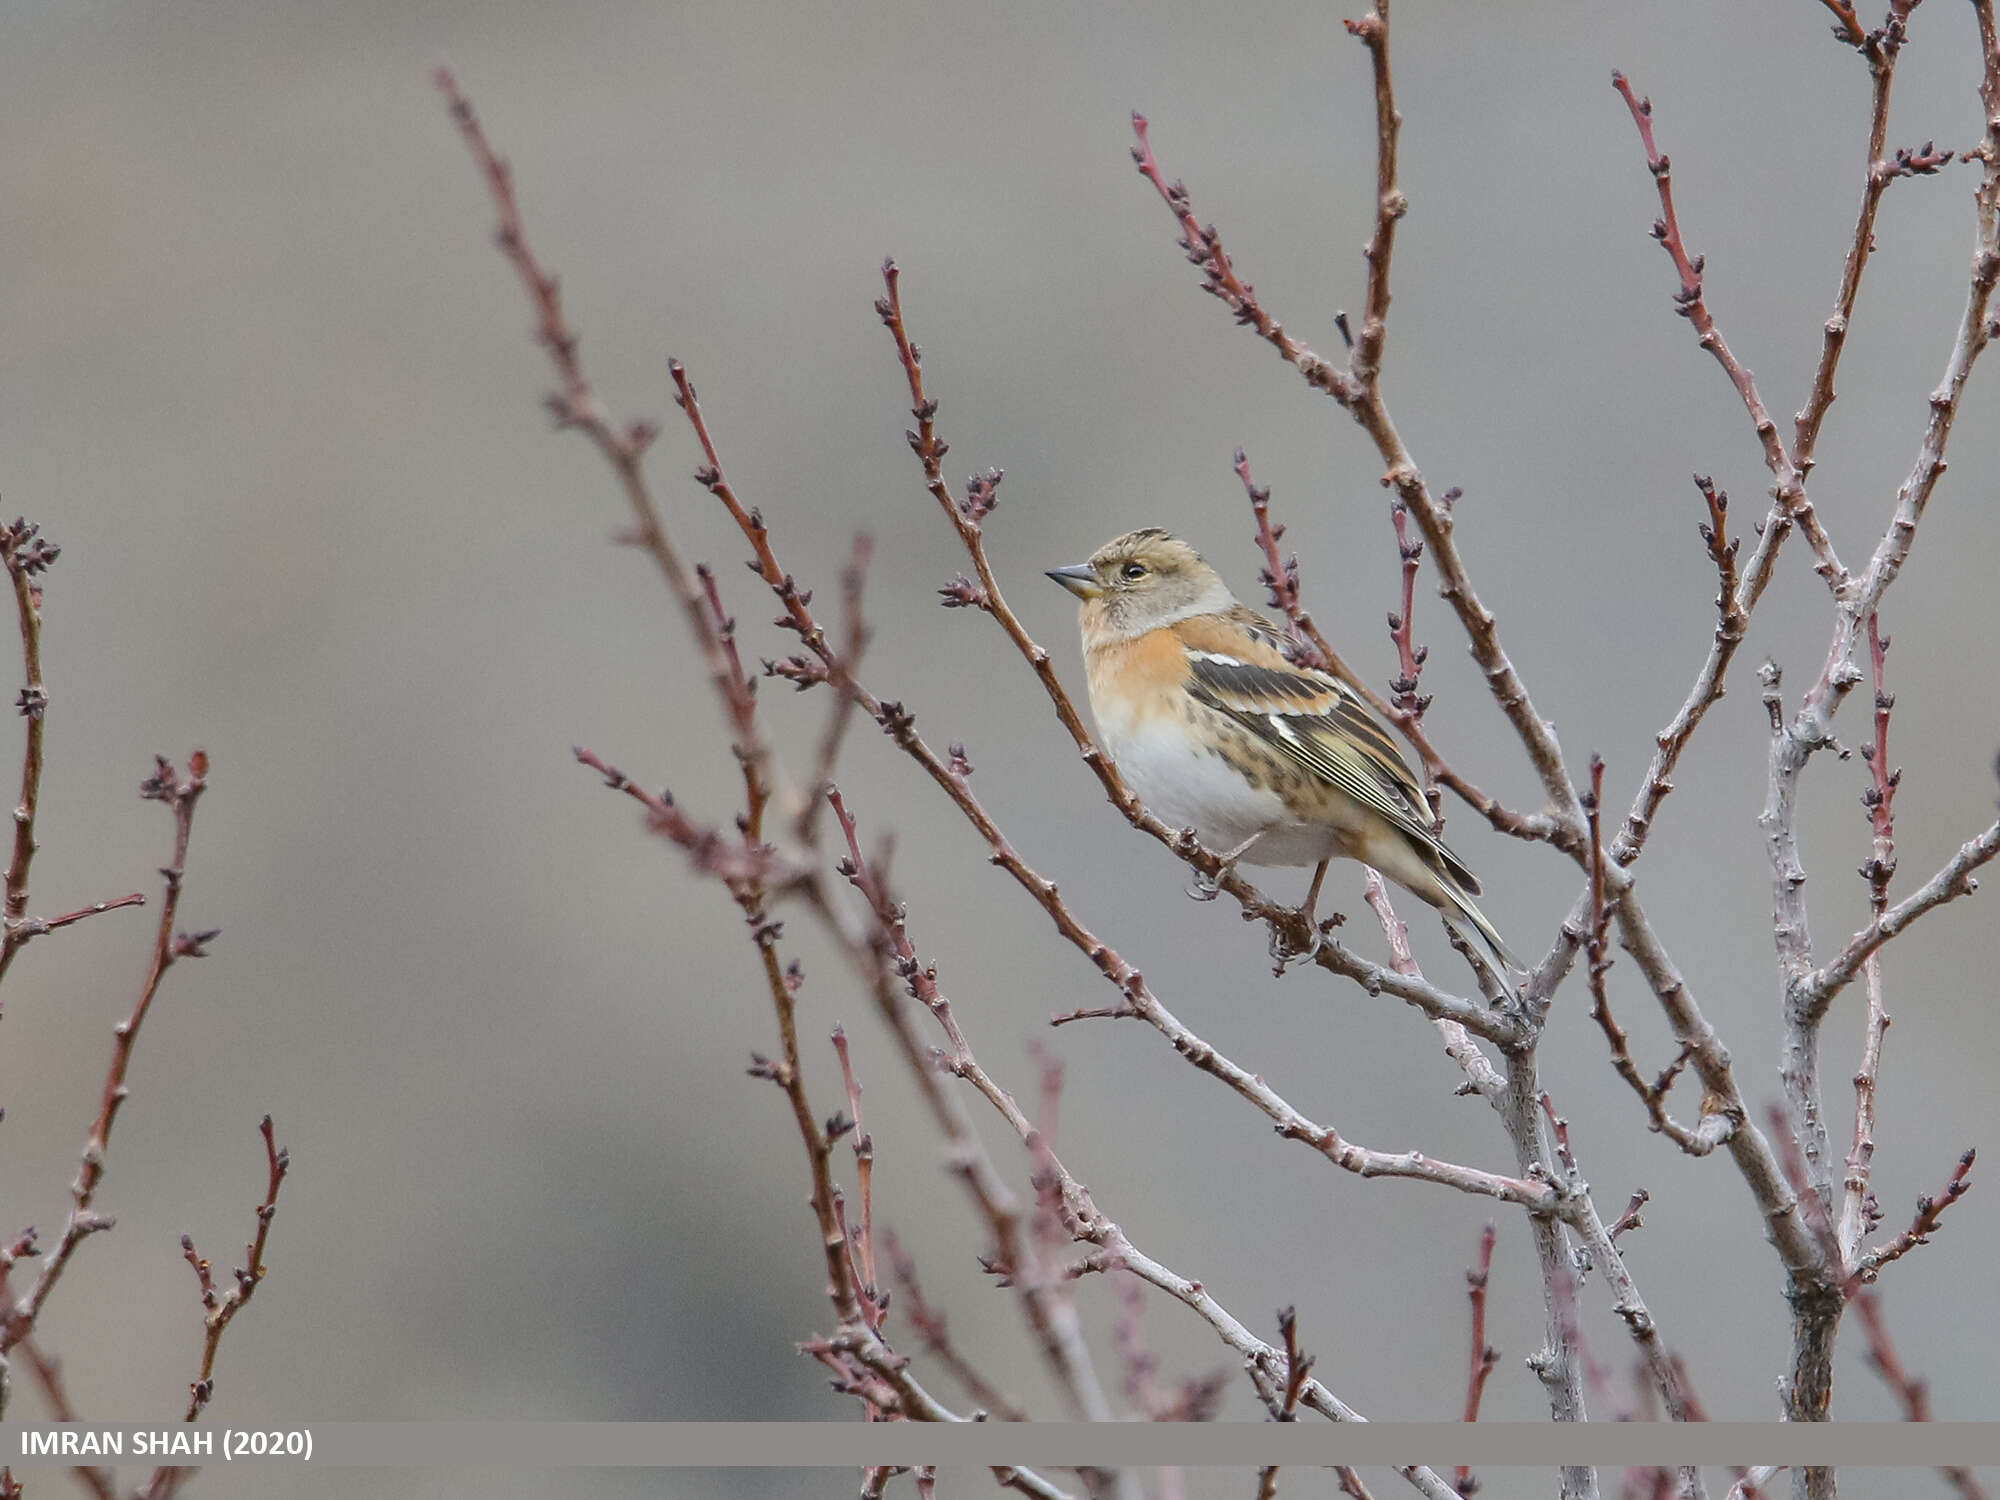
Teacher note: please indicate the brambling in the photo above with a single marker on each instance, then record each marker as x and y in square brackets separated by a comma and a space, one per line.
[1270, 762]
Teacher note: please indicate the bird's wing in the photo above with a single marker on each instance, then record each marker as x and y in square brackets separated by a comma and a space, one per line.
[1315, 719]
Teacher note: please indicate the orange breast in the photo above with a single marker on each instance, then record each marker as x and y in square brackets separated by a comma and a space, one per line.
[1133, 682]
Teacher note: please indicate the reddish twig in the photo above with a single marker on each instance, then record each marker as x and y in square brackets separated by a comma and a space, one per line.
[1880, 49]
[742, 871]
[1912, 1392]
[710, 851]
[575, 404]
[1141, 1364]
[32, 927]
[1280, 575]
[1690, 304]
[1219, 279]
[1630, 1219]
[223, 1308]
[1050, 1315]
[169, 946]
[1928, 1220]
[1372, 31]
[1484, 1355]
[1846, 24]
[26, 556]
[930, 1325]
[855, 636]
[1722, 552]
[1298, 1365]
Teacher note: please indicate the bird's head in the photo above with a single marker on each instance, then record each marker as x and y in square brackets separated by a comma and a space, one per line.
[1141, 581]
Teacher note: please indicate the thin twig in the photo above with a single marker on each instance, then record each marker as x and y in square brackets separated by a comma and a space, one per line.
[26, 556]
[221, 1309]
[1928, 1220]
[1912, 1392]
[855, 636]
[1280, 575]
[1050, 1314]
[1714, 1128]
[101, 1483]
[1484, 1356]
[167, 785]
[1690, 303]
[930, 1324]
[576, 405]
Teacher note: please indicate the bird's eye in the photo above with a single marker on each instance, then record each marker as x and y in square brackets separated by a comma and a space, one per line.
[1133, 571]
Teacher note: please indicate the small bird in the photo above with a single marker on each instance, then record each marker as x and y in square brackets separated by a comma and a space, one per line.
[1269, 761]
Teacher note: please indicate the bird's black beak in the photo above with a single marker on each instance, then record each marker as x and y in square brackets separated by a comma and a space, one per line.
[1079, 578]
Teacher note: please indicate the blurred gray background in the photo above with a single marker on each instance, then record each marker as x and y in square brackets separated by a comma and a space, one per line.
[271, 389]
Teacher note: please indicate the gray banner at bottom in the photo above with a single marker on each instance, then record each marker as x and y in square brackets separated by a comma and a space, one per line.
[1051, 1444]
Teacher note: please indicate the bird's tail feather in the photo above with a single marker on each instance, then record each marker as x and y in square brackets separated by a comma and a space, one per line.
[1470, 923]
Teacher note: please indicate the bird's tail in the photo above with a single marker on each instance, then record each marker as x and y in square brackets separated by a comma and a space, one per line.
[1471, 925]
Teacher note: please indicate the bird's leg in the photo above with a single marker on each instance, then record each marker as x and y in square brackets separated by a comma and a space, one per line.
[1312, 893]
[1207, 887]
[1282, 951]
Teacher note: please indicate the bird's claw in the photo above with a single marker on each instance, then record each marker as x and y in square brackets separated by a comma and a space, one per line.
[1284, 953]
[1204, 887]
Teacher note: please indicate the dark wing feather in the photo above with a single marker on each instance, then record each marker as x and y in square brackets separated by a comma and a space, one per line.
[1323, 724]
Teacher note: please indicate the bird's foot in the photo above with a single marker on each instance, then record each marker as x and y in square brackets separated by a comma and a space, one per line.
[1206, 887]
[1285, 951]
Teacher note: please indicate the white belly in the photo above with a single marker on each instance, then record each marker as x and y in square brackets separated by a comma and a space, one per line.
[1187, 789]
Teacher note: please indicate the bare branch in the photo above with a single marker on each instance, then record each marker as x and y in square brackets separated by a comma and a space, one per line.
[180, 794]
[1953, 880]
[1735, 598]
[576, 405]
[1052, 1318]
[855, 636]
[1372, 31]
[26, 556]
[1929, 1218]
[1912, 1392]
[1219, 278]
[929, 1323]
[1484, 1355]
[222, 1309]
[1714, 1128]
[1789, 481]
